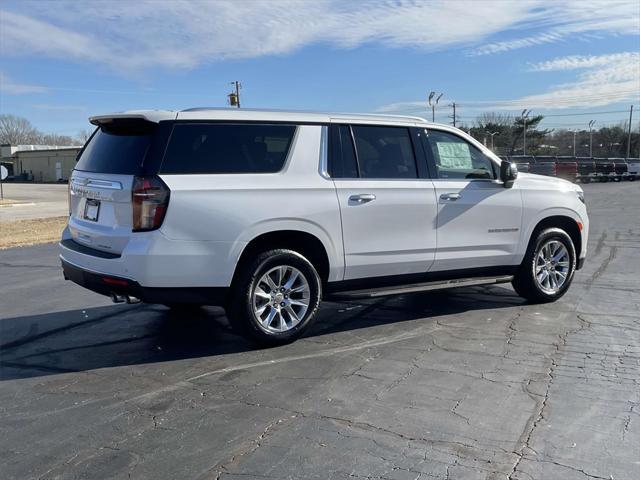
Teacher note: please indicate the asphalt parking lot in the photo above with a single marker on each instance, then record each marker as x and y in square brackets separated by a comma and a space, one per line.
[463, 384]
[36, 200]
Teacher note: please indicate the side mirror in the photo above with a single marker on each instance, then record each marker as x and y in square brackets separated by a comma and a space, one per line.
[508, 173]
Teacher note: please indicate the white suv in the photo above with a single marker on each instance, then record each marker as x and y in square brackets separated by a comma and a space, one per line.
[267, 212]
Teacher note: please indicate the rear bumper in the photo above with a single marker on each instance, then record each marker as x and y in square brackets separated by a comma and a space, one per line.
[153, 260]
[109, 285]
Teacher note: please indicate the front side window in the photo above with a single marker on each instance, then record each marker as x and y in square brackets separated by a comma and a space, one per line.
[227, 148]
[384, 152]
[456, 158]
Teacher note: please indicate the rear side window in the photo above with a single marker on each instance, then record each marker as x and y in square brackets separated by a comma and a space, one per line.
[227, 148]
[116, 150]
[384, 152]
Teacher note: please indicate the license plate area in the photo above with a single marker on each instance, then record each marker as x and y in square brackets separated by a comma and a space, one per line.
[91, 210]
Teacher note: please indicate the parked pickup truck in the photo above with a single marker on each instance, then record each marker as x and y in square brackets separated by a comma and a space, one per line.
[633, 168]
[620, 169]
[567, 170]
[586, 168]
[605, 169]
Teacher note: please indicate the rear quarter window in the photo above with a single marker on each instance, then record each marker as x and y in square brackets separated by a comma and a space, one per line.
[116, 151]
[227, 148]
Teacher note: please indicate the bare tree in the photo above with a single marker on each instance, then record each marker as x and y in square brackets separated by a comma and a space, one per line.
[83, 136]
[55, 139]
[16, 130]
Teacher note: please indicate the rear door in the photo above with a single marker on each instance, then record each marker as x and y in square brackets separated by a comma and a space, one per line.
[101, 212]
[387, 204]
[479, 220]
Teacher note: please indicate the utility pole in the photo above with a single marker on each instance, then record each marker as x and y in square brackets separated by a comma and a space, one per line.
[234, 97]
[574, 143]
[591, 123]
[629, 137]
[432, 103]
[492, 134]
[454, 113]
[525, 115]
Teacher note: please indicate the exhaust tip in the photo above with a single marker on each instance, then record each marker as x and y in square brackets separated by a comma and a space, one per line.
[115, 298]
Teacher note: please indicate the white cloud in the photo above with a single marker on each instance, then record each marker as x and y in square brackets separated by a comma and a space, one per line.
[182, 34]
[9, 87]
[601, 80]
[568, 20]
[605, 79]
[575, 62]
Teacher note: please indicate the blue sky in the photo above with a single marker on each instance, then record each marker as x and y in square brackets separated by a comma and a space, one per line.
[61, 62]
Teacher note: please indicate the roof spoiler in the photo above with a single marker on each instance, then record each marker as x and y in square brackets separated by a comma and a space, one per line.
[102, 120]
[151, 116]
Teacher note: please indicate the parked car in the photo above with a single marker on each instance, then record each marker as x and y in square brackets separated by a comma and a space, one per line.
[267, 213]
[605, 169]
[633, 168]
[586, 168]
[620, 169]
[567, 169]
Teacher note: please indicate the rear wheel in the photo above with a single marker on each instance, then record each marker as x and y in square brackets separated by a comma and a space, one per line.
[275, 297]
[547, 268]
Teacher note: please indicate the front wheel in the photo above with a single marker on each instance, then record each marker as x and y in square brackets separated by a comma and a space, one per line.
[275, 297]
[547, 268]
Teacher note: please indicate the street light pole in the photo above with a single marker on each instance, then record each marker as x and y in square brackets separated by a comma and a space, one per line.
[432, 103]
[629, 136]
[492, 134]
[525, 115]
[591, 123]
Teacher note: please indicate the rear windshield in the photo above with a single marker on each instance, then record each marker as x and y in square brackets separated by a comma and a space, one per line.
[227, 148]
[115, 151]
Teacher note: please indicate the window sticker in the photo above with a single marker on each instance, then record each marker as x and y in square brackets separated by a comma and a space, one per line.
[454, 155]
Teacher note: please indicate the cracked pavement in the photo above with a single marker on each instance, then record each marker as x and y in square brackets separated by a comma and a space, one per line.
[470, 383]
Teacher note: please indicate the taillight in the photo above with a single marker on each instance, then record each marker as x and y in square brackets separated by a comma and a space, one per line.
[150, 199]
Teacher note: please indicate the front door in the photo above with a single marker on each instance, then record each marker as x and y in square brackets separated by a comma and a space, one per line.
[479, 220]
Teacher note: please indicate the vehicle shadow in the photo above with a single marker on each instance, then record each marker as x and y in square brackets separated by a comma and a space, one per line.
[121, 335]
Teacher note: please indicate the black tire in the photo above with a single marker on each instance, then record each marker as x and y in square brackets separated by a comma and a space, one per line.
[525, 283]
[240, 309]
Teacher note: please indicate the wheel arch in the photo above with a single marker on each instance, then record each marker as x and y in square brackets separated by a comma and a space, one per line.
[564, 222]
[305, 243]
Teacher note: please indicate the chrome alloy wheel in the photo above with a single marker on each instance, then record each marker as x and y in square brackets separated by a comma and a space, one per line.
[281, 298]
[552, 266]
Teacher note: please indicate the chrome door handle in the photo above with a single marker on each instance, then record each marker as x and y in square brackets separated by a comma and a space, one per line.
[362, 198]
[450, 196]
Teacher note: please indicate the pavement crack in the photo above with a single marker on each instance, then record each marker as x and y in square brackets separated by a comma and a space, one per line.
[542, 400]
[222, 468]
